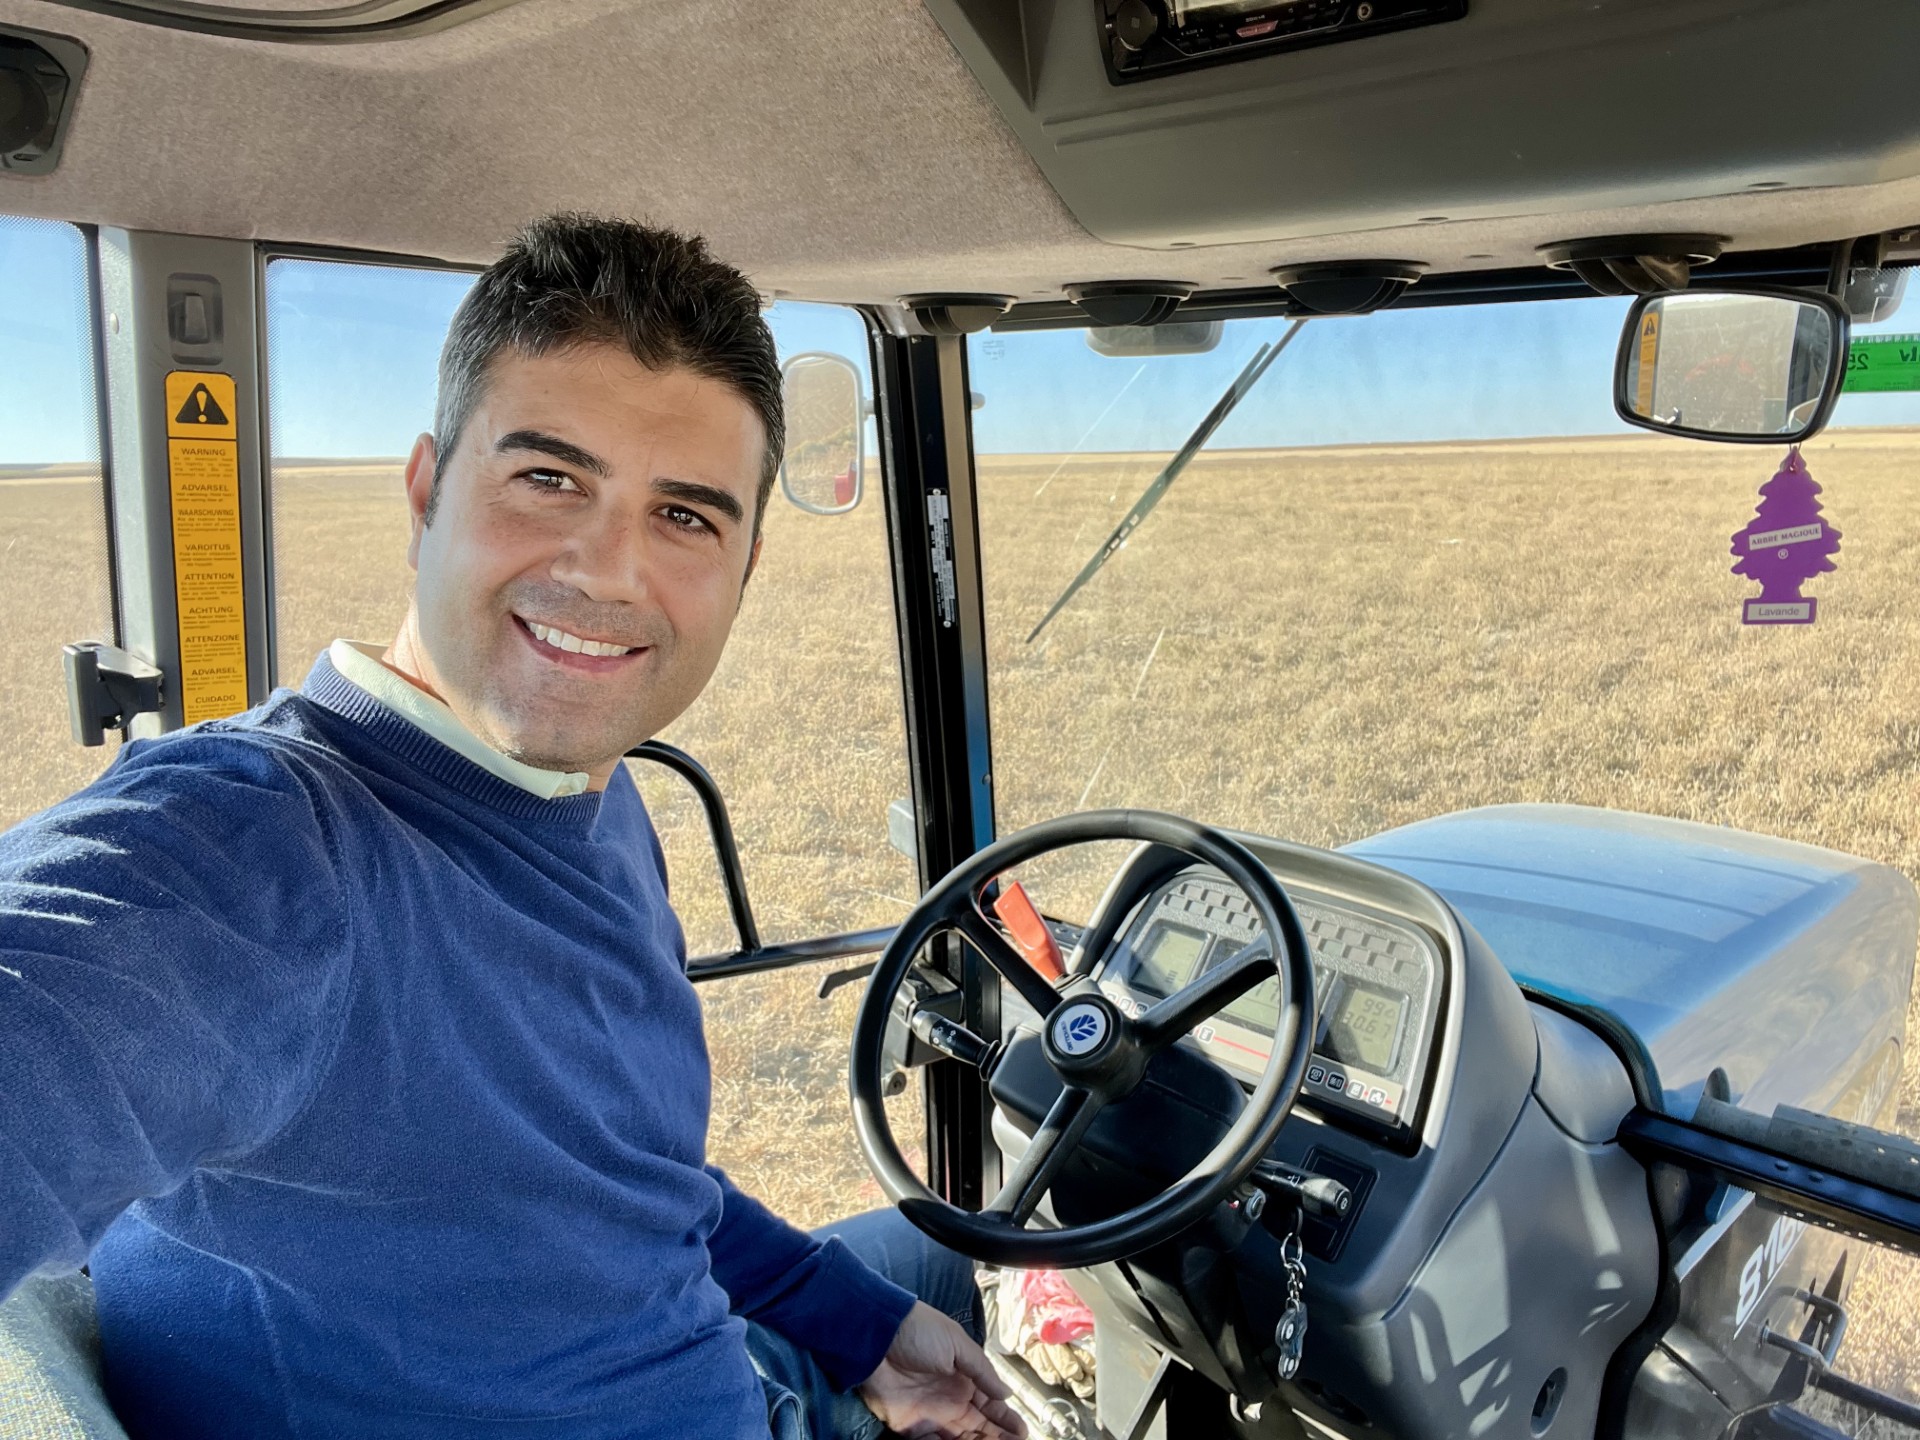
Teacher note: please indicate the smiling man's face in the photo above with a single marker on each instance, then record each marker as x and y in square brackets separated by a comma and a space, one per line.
[588, 500]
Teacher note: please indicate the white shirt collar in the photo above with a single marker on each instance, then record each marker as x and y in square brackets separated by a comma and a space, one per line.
[359, 662]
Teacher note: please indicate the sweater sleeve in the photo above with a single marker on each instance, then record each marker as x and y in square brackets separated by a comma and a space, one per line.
[818, 1294]
[173, 964]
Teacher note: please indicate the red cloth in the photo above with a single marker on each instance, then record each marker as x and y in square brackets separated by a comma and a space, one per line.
[1059, 1314]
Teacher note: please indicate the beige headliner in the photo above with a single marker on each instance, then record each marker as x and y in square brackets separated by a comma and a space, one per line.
[836, 149]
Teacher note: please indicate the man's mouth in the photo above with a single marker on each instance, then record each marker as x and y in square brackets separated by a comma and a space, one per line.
[565, 646]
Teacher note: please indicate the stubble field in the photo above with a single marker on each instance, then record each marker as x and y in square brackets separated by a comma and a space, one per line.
[1314, 644]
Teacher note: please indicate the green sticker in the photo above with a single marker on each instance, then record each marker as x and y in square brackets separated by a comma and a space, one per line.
[1883, 362]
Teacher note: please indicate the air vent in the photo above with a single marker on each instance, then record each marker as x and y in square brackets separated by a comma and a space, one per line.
[39, 75]
[1129, 302]
[956, 314]
[1634, 264]
[1352, 287]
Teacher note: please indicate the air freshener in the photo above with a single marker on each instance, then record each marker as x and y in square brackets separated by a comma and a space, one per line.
[1785, 545]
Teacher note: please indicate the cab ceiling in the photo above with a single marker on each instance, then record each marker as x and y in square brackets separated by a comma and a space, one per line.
[858, 150]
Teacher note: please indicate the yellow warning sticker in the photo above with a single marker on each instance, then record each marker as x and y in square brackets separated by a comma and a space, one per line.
[1649, 358]
[200, 406]
[203, 466]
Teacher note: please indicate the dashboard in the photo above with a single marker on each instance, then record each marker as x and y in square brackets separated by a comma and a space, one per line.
[1376, 978]
[1425, 1096]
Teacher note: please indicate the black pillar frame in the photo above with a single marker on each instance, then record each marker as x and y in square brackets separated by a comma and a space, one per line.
[925, 416]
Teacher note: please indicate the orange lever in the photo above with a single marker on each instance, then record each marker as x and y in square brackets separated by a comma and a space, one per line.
[1029, 930]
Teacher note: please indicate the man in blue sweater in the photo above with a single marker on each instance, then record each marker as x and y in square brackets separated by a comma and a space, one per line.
[349, 1039]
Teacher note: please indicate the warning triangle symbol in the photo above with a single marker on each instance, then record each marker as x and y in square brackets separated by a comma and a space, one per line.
[201, 409]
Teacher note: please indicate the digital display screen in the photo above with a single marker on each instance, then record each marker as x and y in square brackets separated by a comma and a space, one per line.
[1166, 959]
[1365, 1030]
[1257, 1010]
[1187, 12]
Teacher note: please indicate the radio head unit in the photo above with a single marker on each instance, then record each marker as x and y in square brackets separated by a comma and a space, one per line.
[1141, 38]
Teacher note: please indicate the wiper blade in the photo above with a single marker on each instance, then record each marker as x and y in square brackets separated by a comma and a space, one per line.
[1150, 497]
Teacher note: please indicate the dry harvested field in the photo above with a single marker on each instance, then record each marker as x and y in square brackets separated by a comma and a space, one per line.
[1311, 644]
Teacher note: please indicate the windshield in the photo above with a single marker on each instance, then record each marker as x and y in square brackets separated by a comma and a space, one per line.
[1422, 568]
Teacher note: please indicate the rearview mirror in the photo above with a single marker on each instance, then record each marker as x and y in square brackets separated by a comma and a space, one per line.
[823, 470]
[1750, 366]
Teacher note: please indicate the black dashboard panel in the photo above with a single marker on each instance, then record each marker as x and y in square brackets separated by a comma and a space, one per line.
[1377, 984]
[1512, 113]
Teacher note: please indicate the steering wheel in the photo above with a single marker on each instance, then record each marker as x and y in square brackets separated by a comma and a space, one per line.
[1096, 1050]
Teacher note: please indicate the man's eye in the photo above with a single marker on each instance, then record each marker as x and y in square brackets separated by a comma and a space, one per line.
[557, 481]
[686, 519]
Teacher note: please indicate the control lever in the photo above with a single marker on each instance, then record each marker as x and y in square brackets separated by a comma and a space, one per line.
[840, 979]
[952, 1039]
[926, 1025]
[1029, 929]
[1314, 1194]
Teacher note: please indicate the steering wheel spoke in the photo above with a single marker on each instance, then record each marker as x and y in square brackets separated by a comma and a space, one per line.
[1007, 962]
[1206, 997]
[1056, 1139]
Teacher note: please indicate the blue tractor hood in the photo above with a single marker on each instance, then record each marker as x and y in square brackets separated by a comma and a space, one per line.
[1785, 965]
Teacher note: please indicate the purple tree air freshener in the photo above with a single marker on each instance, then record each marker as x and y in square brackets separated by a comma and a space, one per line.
[1785, 545]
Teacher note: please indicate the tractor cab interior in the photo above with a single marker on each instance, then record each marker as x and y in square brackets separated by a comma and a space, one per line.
[1253, 791]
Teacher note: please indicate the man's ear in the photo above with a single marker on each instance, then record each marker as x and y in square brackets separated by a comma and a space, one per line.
[419, 482]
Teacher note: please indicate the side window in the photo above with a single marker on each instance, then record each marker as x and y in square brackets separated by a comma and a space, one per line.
[55, 579]
[351, 357]
[803, 729]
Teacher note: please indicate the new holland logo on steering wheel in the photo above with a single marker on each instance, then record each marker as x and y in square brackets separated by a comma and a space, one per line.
[1079, 1029]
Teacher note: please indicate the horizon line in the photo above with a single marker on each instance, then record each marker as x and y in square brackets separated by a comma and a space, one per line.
[55, 468]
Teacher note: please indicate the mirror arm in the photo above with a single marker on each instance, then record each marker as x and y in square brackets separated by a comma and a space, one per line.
[1840, 269]
[719, 825]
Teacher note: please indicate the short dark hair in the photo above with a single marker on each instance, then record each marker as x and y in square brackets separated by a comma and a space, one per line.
[568, 280]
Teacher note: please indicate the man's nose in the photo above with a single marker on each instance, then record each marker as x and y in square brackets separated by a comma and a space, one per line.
[606, 558]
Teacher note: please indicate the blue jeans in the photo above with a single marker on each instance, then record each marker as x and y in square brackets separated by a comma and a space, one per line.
[801, 1403]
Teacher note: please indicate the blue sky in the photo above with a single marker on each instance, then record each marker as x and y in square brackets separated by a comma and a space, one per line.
[352, 350]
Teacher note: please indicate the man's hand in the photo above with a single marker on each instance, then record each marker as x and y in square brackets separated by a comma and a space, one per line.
[936, 1384]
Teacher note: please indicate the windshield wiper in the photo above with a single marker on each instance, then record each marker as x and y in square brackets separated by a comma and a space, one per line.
[1222, 408]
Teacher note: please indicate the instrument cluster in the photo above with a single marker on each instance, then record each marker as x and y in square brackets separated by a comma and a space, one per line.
[1377, 981]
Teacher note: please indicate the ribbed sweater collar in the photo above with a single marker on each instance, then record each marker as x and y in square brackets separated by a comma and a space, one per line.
[435, 762]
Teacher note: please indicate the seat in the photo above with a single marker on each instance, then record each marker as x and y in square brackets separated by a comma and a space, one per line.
[50, 1377]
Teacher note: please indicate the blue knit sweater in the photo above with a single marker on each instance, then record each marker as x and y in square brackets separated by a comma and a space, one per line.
[374, 1089]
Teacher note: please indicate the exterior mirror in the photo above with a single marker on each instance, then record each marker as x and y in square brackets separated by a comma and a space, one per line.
[1750, 366]
[823, 469]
